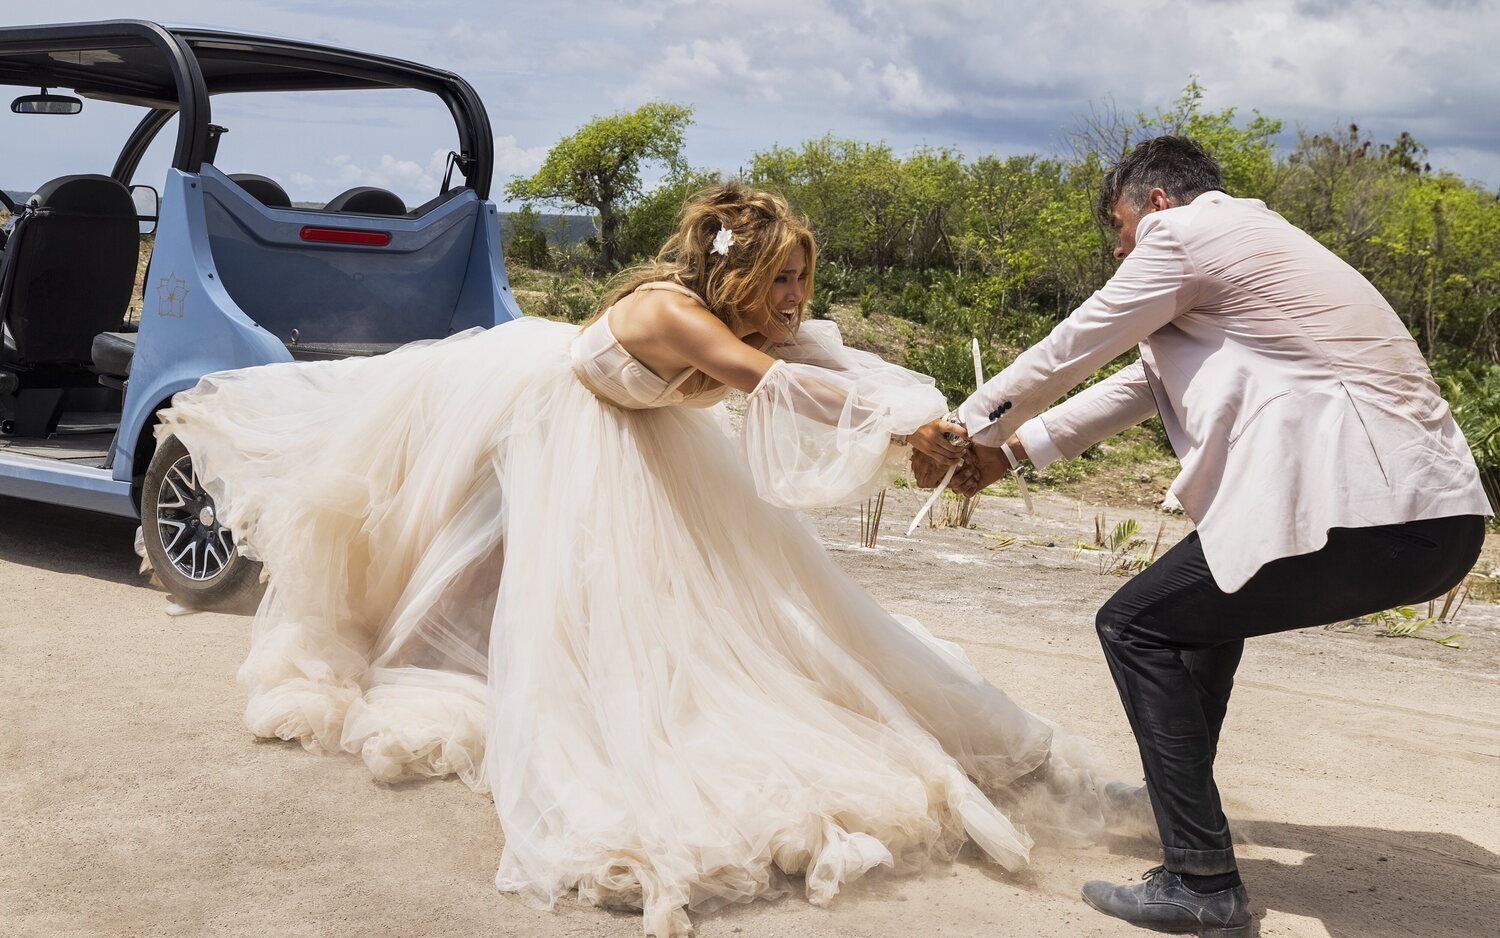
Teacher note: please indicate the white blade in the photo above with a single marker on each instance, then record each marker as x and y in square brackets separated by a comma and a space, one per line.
[943, 486]
[932, 500]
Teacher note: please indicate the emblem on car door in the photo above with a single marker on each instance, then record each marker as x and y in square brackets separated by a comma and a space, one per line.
[171, 296]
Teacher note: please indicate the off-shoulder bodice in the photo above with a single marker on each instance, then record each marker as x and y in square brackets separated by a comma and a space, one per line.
[616, 376]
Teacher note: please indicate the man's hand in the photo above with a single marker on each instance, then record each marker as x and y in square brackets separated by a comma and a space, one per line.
[930, 441]
[928, 471]
[982, 466]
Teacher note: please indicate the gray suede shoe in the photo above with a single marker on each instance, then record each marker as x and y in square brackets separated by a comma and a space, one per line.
[1163, 903]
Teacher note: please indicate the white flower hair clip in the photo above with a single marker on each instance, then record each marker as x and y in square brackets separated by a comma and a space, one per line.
[722, 241]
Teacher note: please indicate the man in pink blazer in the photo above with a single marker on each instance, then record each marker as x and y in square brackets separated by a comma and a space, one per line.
[1322, 468]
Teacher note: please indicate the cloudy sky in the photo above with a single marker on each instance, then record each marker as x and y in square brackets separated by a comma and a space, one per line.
[1004, 77]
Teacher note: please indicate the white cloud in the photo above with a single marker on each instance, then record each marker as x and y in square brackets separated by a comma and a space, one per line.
[406, 178]
[465, 42]
[415, 182]
[832, 82]
[901, 87]
[693, 67]
[589, 55]
[512, 159]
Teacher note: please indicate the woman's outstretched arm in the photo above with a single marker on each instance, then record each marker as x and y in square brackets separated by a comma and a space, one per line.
[705, 343]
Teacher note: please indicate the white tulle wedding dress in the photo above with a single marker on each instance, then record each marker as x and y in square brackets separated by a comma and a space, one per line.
[519, 557]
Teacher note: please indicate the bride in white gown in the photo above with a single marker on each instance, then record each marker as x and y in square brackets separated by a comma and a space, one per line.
[525, 557]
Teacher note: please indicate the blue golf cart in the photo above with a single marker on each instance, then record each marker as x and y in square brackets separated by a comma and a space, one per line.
[238, 275]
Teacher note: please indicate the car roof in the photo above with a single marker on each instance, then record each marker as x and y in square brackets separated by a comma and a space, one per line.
[116, 60]
[177, 68]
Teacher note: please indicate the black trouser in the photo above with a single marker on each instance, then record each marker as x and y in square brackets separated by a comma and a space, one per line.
[1173, 640]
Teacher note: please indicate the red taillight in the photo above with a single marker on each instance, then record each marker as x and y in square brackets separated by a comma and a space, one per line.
[374, 239]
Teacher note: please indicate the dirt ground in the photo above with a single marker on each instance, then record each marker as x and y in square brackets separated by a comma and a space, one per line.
[1362, 774]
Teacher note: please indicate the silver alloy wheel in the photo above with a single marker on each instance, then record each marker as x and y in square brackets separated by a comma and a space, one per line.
[195, 543]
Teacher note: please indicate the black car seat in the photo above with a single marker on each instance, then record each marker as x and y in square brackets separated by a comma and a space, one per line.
[263, 189]
[367, 200]
[67, 273]
[69, 268]
[113, 352]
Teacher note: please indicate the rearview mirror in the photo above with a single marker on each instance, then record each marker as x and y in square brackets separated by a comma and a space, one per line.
[45, 103]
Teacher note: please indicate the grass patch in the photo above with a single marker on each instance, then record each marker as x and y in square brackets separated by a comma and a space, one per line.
[1402, 622]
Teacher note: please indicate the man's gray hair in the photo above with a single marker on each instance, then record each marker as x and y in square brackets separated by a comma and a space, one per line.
[1176, 165]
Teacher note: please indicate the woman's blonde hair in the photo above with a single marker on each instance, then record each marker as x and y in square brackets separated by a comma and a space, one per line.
[738, 281]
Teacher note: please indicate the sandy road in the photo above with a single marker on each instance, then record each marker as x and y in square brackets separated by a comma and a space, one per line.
[1363, 774]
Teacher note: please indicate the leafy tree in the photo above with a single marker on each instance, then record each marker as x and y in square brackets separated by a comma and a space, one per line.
[867, 206]
[528, 242]
[652, 218]
[599, 166]
[1079, 251]
[1439, 267]
[929, 203]
[822, 180]
[1338, 189]
[1000, 239]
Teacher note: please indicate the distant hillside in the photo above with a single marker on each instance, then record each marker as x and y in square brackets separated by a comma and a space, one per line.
[17, 197]
[562, 230]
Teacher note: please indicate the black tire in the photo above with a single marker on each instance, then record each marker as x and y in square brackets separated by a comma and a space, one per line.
[191, 553]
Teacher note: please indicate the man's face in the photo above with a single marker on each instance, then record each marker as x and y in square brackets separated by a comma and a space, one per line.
[1124, 218]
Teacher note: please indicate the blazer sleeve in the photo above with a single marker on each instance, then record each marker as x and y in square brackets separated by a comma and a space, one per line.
[1153, 286]
[1119, 402]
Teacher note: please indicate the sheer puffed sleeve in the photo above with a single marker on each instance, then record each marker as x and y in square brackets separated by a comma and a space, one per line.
[819, 426]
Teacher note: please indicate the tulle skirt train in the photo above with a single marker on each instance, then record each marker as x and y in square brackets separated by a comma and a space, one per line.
[673, 694]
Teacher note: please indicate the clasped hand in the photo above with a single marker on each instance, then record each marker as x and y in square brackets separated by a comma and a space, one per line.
[933, 453]
[929, 443]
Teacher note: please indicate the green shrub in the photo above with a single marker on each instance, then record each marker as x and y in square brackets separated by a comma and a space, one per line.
[911, 302]
[528, 242]
[570, 299]
[950, 362]
[836, 281]
[1474, 396]
[648, 222]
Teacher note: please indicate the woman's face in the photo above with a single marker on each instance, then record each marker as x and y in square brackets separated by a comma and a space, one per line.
[788, 290]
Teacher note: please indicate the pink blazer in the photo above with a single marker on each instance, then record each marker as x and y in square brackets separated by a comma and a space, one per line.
[1293, 395]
